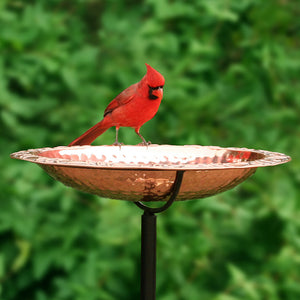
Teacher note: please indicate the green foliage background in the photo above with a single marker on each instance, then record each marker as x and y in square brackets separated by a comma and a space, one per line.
[232, 72]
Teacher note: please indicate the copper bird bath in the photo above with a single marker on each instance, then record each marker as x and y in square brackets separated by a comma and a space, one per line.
[154, 173]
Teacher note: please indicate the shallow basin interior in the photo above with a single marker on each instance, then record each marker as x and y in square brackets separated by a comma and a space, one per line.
[152, 155]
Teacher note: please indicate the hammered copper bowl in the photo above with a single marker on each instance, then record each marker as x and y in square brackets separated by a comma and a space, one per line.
[140, 173]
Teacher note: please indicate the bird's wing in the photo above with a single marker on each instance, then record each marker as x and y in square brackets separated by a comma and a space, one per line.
[123, 98]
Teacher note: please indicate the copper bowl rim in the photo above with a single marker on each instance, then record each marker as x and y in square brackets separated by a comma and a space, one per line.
[264, 158]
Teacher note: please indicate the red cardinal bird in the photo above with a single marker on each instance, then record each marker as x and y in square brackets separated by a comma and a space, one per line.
[131, 108]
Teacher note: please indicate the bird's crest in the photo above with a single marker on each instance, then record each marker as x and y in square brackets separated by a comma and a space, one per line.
[153, 77]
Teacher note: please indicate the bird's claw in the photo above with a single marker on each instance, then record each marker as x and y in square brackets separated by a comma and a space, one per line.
[144, 143]
[117, 144]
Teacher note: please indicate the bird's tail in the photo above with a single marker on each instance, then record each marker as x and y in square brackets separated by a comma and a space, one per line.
[90, 135]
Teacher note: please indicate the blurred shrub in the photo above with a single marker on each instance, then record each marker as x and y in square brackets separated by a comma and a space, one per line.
[232, 73]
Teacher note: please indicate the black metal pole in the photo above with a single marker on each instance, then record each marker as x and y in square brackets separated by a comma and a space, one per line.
[148, 241]
[148, 256]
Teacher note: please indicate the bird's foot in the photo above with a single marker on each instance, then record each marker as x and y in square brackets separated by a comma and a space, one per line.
[144, 143]
[117, 144]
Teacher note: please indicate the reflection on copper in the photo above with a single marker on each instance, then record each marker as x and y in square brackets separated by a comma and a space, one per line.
[140, 173]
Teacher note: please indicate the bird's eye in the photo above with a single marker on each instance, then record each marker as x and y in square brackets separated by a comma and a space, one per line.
[156, 87]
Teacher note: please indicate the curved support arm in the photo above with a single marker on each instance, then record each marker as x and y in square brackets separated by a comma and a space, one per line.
[174, 193]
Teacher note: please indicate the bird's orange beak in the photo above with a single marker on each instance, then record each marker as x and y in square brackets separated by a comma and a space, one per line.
[158, 92]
